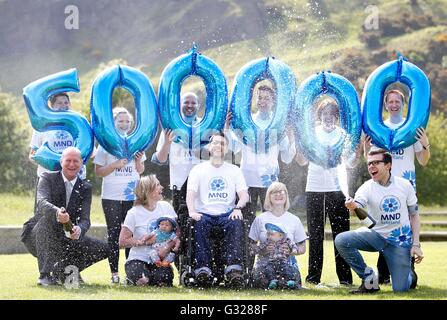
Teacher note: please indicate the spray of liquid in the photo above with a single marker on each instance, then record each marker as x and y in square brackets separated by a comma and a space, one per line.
[342, 176]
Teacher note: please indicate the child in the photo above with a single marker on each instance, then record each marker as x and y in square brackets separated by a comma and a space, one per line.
[277, 269]
[164, 232]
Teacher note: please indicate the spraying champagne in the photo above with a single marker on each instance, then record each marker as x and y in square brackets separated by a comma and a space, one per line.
[363, 215]
[68, 226]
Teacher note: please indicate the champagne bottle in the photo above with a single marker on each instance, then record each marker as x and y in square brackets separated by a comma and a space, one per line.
[365, 218]
[68, 226]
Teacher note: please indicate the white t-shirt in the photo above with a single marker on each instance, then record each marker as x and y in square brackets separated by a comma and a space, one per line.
[58, 141]
[320, 179]
[262, 169]
[120, 184]
[403, 159]
[389, 207]
[181, 161]
[291, 223]
[140, 222]
[216, 187]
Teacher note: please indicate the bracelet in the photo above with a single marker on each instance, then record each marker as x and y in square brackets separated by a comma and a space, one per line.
[416, 245]
[237, 208]
[426, 147]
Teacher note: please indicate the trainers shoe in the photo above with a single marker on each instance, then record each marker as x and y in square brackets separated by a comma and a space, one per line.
[47, 281]
[235, 280]
[273, 284]
[291, 284]
[115, 279]
[384, 280]
[363, 290]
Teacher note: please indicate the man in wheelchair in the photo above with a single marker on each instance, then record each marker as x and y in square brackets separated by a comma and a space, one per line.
[211, 201]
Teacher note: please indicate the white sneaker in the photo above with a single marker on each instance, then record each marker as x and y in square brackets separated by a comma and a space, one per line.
[115, 279]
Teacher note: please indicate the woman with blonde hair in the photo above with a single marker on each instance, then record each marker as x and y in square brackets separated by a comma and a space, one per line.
[277, 203]
[119, 179]
[136, 234]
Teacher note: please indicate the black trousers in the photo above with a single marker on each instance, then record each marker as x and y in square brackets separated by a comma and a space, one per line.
[115, 212]
[319, 206]
[255, 194]
[158, 276]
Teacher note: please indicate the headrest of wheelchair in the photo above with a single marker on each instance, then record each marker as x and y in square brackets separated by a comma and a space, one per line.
[274, 228]
[167, 218]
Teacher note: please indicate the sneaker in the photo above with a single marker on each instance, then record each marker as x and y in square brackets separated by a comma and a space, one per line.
[291, 284]
[384, 280]
[115, 279]
[47, 281]
[235, 280]
[204, 279]
[273, 284]
[363, 290]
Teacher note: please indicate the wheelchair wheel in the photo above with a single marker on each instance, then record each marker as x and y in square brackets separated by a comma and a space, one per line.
[187, 279]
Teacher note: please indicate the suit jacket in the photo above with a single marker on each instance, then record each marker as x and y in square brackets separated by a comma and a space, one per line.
[51, 196]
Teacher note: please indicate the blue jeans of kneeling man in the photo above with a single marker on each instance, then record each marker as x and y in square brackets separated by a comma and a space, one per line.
[232, 243]
[397, 258]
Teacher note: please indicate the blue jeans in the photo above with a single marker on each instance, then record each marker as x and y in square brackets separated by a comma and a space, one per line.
[397, 258]
[232, 244]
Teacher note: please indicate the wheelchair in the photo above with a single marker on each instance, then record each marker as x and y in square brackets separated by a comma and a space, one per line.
[186, 264]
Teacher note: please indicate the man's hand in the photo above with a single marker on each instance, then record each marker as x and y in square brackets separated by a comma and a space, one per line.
[421, 136]
[236, 214]
[148, 240]
[366, 145]
[169, 137]
[138, 156]
[195, 216]
[62, 216]
[417, 253]
[120, 163]
[76, 233]
[350, 204]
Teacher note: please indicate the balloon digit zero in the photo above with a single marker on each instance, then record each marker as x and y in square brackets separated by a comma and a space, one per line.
[146, 109]
[418, 107]
[340, 89]
[42, 118]
[193, 63]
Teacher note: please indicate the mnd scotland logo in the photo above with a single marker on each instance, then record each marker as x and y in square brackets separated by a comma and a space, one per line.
[389, 207]
[217, 186]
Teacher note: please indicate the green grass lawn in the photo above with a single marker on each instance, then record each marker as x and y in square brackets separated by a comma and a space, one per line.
[21, 284]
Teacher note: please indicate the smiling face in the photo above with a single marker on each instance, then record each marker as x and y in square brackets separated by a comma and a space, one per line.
[378, 169]
[71, 162]
[218, 147]
[394, 103]
[61, 103]
[189, 105]
[157, 193]
[265, 101]
[278, 198]
[123, 122]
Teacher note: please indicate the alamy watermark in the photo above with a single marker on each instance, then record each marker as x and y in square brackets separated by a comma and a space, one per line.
[72, 278]
[372, 280]
[72, 18]
[372, 20]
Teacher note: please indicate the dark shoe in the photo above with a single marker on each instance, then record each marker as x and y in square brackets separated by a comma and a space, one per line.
[235, 280]
[47, 281]
[414, 282]
[363, 290]
[204, 279]
[384, 280]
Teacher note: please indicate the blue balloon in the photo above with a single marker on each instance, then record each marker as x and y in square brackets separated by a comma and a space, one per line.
[43, 118]
[146, 109]
[418, 107]
[193, 63]
[245, 80]
[342, 91]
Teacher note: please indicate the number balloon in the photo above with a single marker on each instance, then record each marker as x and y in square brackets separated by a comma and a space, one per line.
[146, 109]
[245, 80]
[340, 89]
[42, 118]
[193, 63]
[418, 107]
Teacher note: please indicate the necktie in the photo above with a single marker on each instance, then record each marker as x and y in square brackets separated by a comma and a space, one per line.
[68, 189]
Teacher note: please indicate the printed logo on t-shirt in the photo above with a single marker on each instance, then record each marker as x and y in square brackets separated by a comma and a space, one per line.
[398, 154]
[125, 171]
[217, 186]
[129, 190]
[389, 207]
[60, 141]
[410, 176]
[268, 178]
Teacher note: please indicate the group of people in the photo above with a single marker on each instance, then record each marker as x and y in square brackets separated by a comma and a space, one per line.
[225, 196]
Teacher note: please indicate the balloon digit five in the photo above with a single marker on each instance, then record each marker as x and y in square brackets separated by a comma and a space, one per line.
[42, 118]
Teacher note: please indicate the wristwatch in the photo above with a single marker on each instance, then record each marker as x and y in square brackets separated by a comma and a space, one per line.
[237, 208]
[416, 245]
[426, 147]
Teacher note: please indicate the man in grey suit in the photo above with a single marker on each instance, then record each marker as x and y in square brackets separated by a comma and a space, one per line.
[56, 251]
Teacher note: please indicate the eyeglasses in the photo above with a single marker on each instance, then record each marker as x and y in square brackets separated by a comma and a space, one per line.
[375, 162]
[279, 192]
